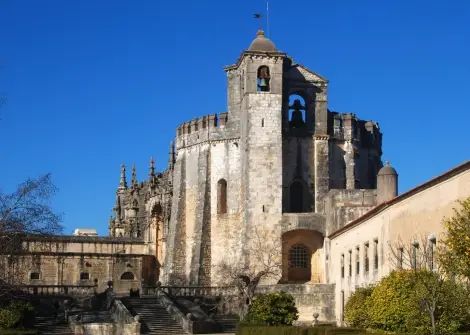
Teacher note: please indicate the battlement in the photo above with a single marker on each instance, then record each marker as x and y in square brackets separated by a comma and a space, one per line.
[348, 127]
[202, 129]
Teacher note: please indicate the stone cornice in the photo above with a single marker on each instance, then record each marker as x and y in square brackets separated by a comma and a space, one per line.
[232, 139]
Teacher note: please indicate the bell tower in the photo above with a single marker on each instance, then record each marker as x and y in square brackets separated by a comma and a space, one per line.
[255, 99]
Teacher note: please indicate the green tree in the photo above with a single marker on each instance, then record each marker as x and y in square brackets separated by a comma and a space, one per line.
[356, 312]
[273, 309]
[454, 253]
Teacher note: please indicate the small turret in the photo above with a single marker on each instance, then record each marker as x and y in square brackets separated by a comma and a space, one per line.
[123, 181]
[387, 183]
[152, 168]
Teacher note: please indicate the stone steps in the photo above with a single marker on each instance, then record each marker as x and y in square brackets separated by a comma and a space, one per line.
[49, 325]
[154, 318]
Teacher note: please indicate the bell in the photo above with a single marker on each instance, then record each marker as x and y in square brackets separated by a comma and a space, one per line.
[263, 83]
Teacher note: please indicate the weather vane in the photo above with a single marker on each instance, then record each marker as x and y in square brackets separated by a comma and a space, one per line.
[258, 16]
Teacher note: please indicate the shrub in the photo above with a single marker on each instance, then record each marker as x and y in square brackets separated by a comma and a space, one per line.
[286, 330]
[9, 318]
[15, 314]
[272, 309]
[356, 309]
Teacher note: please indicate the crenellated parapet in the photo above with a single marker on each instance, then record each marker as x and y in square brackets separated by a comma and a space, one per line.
[203, 129]
[348, 127]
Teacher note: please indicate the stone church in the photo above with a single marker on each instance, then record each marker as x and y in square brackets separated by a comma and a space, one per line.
[278, 178]
[278, 164]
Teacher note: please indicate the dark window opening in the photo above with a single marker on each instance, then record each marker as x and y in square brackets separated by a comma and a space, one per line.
[358, 265]
[34, 276]
[127, 276]
[222, 196]
[366, 257]
[414, 260]
[297, 111]
[376, 254]
[298, 256]
[342, 266]
[432, 248]
[263, 79]
[84, 276]
[296, 197]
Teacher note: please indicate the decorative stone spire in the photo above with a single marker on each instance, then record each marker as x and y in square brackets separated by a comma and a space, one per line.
[152, 168]
[123, 181]
[171, 155]
[134, 177]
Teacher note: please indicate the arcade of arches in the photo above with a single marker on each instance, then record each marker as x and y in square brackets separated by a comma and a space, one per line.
[301, 256]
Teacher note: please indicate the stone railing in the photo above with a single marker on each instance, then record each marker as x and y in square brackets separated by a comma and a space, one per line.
[58, 290]
[120, 321]
[192, 323]
[190, 291]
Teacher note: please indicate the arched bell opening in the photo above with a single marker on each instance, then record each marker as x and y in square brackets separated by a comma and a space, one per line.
[297, 115]
[301, 261]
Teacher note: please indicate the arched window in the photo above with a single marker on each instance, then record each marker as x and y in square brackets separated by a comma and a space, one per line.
[222, 196]
[34, 275]
[297, 111]
[263, 79]
[298, 257]
[127, 276]
[157, 211]
[84, 276]
[296, 197]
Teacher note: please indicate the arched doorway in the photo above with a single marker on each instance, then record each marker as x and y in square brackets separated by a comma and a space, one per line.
[300, 256]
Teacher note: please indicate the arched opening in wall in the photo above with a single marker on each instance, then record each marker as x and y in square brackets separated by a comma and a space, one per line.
[301, 261]
[296, 196]
[222, 196]
[297, 111]
[127, 276]
[263, 79]
[157, 210]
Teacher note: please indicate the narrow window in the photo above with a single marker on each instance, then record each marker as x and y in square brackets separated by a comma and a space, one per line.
[376, 254]
[357, 261]
[127, 276]
[400, 258]
[350, 263]
[34, 276]
[366, 257]
[414, 260]
[263, 79]
[342, 265]
[222, 196]
[262, 122]
[432, 249]
[84, 276]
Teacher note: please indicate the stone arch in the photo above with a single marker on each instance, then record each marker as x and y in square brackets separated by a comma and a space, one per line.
[263, 79]
[222, 196]
[127, 276]
[297, 112]
[300, 256]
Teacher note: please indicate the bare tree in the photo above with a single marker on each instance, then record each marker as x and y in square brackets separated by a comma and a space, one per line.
[25, 211]
[264, 263]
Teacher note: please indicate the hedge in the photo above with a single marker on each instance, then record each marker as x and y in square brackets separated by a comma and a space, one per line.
[288, 330]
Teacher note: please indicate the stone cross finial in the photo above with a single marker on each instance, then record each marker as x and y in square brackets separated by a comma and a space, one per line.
[123, 181]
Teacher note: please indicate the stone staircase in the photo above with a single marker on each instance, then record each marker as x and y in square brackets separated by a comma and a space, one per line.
[50, 325]
[154, 317]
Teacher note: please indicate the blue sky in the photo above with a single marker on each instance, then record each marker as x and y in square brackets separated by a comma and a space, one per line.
[93, 84]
